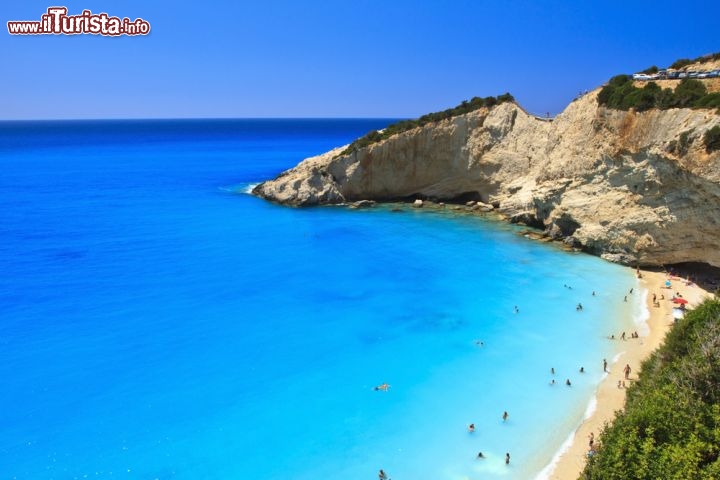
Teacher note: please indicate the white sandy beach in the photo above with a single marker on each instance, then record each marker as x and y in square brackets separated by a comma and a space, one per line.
[609, 398]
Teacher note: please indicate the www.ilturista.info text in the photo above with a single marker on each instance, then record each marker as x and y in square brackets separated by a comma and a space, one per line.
[57, 22]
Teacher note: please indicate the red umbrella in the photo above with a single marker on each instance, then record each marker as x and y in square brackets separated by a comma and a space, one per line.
[679, 300]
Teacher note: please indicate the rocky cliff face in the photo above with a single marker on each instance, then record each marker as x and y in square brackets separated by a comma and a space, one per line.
[636, 188]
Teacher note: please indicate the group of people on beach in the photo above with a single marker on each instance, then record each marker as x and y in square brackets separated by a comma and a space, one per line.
[623, 336]
[626, 371]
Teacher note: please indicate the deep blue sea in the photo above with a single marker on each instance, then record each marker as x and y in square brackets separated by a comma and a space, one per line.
[158, 323]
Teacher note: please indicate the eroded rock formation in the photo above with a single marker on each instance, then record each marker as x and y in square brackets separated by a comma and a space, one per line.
[636, 188]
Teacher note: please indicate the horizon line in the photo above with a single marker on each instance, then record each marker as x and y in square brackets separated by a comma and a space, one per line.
[122, 119]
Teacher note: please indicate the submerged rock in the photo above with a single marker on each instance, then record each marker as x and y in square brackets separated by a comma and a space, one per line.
[363, 204]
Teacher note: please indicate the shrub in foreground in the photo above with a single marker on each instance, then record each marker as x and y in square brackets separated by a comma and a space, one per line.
[670, 427]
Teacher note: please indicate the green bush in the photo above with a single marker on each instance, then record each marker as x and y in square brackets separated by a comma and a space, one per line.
[670, 427]
[711, 100]
[688, 92]
[684, 142]
[621, 94]
[683, 62]
[712, 139]
[404, 125]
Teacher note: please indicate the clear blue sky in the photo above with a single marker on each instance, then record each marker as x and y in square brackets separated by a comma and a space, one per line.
[344, 58]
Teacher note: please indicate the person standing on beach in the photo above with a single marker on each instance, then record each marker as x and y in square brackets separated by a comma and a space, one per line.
[604, 364]
[627, 371]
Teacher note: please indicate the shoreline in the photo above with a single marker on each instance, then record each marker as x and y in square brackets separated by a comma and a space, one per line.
[569, 462]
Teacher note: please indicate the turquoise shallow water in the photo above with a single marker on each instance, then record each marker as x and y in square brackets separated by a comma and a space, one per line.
[154, 323]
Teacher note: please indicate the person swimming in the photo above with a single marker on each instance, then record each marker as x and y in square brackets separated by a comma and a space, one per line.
[480, 455]
[471, 428]
[567, 382]
[505, 416]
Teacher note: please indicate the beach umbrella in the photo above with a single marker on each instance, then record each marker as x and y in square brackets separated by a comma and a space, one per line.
[679, 300]
[667, 283]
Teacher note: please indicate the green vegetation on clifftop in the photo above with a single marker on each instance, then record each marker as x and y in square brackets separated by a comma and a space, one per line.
[670, 428]
[621, 94]
[684, 62]
[475, 103]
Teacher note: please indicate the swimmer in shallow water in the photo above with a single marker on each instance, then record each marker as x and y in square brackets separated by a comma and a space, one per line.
[384, 387]
[471, 428]
[505, 416]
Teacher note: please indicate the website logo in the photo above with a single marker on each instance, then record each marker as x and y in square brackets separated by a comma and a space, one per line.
[57, 22]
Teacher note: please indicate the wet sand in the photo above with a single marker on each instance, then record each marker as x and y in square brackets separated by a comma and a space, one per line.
[610, 398]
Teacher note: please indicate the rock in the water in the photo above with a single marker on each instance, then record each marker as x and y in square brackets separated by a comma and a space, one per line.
[554, 232]
[363, 204]
[572, 242]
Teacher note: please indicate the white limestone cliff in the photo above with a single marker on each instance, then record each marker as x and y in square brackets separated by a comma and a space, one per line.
[623, 185]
